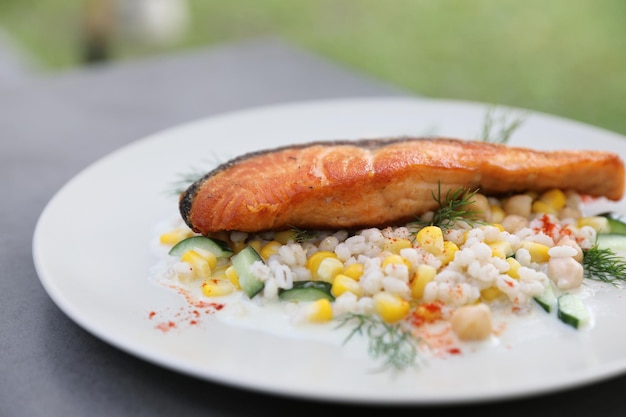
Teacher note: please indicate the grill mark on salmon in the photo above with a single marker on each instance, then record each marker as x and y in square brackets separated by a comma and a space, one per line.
[380, 182]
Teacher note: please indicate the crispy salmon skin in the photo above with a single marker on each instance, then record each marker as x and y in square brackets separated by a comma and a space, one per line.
[380, 182]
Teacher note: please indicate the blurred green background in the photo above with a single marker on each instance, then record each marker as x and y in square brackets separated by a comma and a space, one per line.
[565, 57]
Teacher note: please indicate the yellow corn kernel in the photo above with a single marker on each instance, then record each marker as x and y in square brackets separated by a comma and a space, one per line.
[390, 307]
[284, 236]
[501, 249]
[431, 239]
[313, 263]
[490, 294]
[232, 276]
[216, 287]
[555, 198]
[174, 236]
[269, 249]
[219, 273]
[395, 260]
[449, 249]
[497, 214]
[498, 226]
[514, 266]
[538, 252]
[199, 266]
[329, 268]
[396, 245]
[354, 271]
[539, 206]
[320, 311]
[256, 244]
[599, 223]
[238, 246]
[424, 275]
[209, 256]
[343, 283]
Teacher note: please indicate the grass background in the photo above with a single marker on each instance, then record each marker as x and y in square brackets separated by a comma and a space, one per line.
[565, 57]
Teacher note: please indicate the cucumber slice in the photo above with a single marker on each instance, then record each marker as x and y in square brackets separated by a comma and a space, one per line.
[218, 247]
[307, 291]
[614, 242]
[617, 222]
[242, 262]
[572, 311]
[547, 300]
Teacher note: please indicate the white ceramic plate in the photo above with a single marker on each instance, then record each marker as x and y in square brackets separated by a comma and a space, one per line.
[93, 252]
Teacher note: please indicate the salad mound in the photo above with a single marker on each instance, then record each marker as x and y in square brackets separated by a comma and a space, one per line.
[454, 269]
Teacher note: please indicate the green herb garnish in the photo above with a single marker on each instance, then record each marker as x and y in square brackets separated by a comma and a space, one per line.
[499, 128]
[301, 235]
[185, 180]
[455, 207]
[602, 264]
[392, 343]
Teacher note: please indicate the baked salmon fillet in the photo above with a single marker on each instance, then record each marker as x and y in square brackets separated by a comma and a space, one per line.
[380, 182]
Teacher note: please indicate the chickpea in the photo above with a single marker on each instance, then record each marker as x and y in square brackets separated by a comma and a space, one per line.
[565, 272]
[520, 205]
[472, 322]
[568, 241]
[513, 223]
[574, 199]
[480, 205]
[570, 212]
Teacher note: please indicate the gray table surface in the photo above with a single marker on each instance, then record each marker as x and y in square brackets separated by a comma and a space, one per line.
[53, 127]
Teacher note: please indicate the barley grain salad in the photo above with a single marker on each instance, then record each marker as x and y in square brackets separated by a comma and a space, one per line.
[446, 280]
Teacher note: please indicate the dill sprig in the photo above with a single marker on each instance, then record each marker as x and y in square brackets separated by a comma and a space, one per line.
[454, 207]
[392, 343]
[498, 128]
[193, 174]
[602, 264]
[302, 235]
[185, 180]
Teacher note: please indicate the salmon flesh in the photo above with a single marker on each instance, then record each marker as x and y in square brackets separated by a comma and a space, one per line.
[380, 182]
